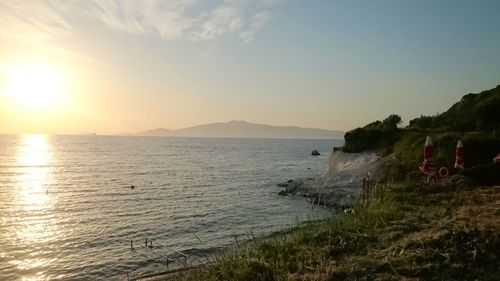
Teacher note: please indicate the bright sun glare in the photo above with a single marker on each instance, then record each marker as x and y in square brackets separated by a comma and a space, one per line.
[35, 85]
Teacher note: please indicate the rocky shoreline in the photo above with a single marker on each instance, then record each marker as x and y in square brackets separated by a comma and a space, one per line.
[339, 186]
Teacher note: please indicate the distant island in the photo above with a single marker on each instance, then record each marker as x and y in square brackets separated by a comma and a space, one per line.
[243, 129]
[400, 224]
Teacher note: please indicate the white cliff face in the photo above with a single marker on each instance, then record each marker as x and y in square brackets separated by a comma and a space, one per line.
[342, 181]
[346, 170]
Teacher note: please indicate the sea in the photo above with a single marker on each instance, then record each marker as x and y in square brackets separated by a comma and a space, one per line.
[117, 207]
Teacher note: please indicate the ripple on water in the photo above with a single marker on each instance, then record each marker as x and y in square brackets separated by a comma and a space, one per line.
[67, 210]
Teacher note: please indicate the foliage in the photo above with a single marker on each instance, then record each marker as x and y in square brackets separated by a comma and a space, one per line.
[391, 123]
[484, 174]
[405, 231]
[408, 230]
[374, 136]
[422, 122]
[472, 120]
[474, 112]
[479, 149]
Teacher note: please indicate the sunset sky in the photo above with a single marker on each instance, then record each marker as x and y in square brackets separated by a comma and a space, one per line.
[125, 66]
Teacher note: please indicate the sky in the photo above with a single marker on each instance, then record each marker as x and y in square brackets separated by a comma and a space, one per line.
[114, 66]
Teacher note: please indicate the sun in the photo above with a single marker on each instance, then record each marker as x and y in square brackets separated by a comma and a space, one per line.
[35, 85]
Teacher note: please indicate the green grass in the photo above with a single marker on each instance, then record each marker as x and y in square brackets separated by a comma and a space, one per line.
[407, 230]
[407, 155]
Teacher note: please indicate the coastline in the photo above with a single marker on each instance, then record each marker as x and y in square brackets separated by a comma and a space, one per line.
[162, 274]
[233, 249]
[407, 231]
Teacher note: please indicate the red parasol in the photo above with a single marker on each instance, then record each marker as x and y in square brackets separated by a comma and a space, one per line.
[459, 155]
[425, 167]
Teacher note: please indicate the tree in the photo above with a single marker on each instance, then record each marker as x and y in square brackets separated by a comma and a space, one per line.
[422, 122]
[391, 123]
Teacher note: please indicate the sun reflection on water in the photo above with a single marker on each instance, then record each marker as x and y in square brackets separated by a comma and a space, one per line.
[34, 223]
[34, 157]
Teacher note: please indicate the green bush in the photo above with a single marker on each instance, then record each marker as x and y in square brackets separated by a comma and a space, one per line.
[480, 149]
[378, 135]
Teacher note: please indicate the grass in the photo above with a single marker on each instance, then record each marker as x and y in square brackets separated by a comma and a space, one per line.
[407, 154]
[407, 231]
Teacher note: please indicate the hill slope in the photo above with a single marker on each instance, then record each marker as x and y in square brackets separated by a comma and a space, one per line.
[474, 112]
[474, 120]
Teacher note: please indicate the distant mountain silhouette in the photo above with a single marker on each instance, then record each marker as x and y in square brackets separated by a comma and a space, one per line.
[243, 129]
[157, 132]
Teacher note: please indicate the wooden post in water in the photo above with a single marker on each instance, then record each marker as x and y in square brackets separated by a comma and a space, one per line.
[161, 255]
[146, 242]
[131, 245]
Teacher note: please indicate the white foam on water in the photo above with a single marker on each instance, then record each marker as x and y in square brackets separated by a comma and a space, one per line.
[343, 177]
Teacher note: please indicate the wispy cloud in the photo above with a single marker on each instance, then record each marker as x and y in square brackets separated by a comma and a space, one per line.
[173, 19]
[36, 19]
[258, 21]
[240, 17]
[166, 19]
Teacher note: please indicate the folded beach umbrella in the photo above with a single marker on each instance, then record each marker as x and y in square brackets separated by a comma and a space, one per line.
[459, 155]
[497, 158]
[425, 167]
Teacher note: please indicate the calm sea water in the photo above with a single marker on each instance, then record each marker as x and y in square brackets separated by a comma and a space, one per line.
[67, 210]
